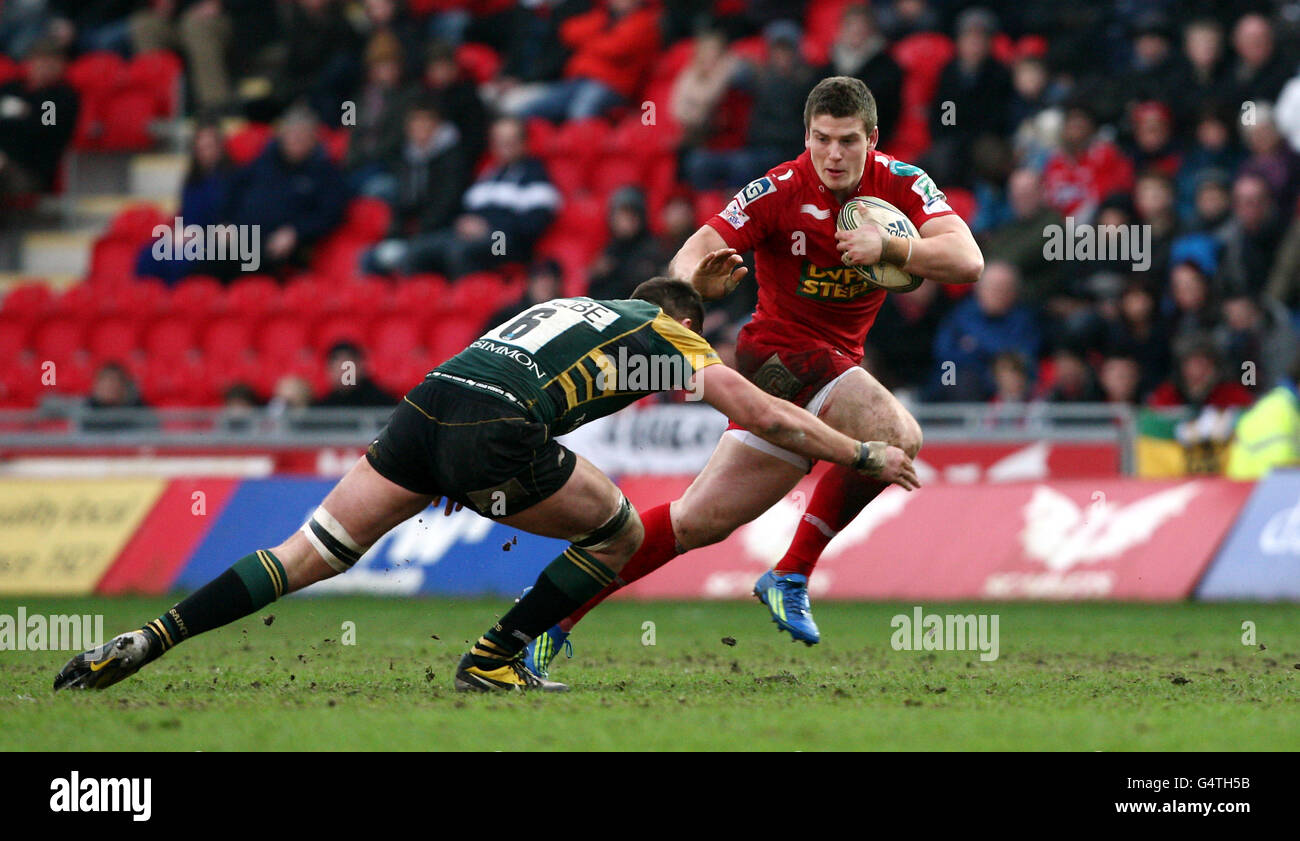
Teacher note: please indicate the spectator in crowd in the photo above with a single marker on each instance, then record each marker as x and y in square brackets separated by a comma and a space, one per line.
[1120, 380]
[1012, 405]
[1032, 90]
[776, 132]
[1267, 435]
[380, 106]
[239, 405]
[531, 51]
[37, 117]
[292, 393]
[1154, 68]
[1020, 240]
[455, 95]
[1195, 304]
[1202, 75]
[201, 30]
[907, 17]
[1153, 206]
[1154, 146]
[632, 255]
[1284, 278]
[1087, 167]
[985, 323]
[1255, 338]
[1072, 379]
[676, 224]
[545, 282]
[82, 26]
[293, 191]
[1251, 239]
[972, 99]
[860, 50]
[22, 25]
[613, 48]
[113, 388]
[1259, 70]
[320, 61]
[1198, 381]
[1136, 331]
[1271, 158]
[393, 18]
[1213, 151]
[902, 337]
[424, 186]
[205, 195]
[503, 213]
[352, 385]
[699, 89]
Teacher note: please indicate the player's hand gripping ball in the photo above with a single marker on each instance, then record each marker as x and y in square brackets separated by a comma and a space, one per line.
[862, 210]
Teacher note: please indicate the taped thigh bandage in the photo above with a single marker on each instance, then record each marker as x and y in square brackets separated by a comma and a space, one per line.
[333, 542]
[603, 536]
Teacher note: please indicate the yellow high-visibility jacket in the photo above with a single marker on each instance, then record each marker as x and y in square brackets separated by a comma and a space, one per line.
[1266, 436]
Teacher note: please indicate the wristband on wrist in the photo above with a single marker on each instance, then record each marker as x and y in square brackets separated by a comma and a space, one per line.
[871, 457]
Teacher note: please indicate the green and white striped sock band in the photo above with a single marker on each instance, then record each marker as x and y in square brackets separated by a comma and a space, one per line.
[332, 541]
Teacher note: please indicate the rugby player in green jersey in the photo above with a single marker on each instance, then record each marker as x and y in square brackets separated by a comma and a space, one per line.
[480, 431]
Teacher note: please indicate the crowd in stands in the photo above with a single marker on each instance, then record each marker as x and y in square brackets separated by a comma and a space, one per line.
[570, 146]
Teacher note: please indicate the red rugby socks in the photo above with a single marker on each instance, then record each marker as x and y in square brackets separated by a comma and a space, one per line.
[658, 548]
[840, 496]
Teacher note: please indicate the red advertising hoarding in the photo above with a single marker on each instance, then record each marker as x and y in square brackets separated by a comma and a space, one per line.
[1056, 539]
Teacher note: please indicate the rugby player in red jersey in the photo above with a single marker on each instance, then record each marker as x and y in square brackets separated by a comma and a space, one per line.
[804, 342]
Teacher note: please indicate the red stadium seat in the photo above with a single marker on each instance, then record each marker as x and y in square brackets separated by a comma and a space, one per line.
[420, 295]
[541, 134]
[9, 69]
[170, 338]
[125, 125]
[922, 57]
[963, 203]
[77, 301]
[368, 219]
[29, 299]
[227, 338]
[96, 72]
[283, 338]
[338, 257]
[136, 223]
[114, 259]
[58, 338]
[339, 328]
[480, 61]
[395, 335]
[112, 339]
[449, 336]
[335, 142]
[254, 295]
[582, 139]
[157, 73]
[247, 143]
[198, 296]
[14, 331]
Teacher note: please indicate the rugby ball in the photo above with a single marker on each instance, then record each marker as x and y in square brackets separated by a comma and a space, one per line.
[861, 210]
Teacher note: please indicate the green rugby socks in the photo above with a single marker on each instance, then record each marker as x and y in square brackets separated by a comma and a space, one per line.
[252, 583]
[567, 583]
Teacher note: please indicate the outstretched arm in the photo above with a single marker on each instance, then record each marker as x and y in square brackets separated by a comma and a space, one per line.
[708, 264]
[788, 426]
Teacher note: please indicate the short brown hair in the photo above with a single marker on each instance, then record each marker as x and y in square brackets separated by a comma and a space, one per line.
[841, 96]
[677, 298]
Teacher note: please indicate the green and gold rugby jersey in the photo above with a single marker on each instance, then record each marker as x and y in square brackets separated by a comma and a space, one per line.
[572, 360]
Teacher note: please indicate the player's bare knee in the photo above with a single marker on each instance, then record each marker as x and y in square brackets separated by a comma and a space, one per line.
[696, 529]
[617, 539]
[911, 439]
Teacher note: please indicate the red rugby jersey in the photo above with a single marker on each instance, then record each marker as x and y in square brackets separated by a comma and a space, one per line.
[805, 292]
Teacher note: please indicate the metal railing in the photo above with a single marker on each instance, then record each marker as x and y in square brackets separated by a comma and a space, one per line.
[73, 427]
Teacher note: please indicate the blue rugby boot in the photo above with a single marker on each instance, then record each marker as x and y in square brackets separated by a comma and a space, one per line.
[540, 652]
[786, 597]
